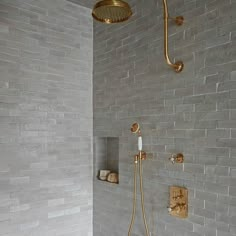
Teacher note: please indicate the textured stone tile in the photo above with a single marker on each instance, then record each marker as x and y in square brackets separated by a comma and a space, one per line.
[195, 114]
[45, 93]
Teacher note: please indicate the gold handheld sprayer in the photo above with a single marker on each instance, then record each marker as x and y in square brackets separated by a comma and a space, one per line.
[138, 160]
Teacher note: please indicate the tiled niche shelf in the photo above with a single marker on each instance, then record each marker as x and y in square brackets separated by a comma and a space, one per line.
[106, 155]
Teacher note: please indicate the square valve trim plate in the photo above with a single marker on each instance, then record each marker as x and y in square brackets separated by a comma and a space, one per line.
[178, 202]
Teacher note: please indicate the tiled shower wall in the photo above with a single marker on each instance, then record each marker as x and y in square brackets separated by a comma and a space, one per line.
[45, 118]
[193, 112]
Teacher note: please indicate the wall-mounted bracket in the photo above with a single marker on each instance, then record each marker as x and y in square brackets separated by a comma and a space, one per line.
[179, 20]
[140, 156]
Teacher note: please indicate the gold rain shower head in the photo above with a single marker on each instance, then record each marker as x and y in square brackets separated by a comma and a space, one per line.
[111, 11]
[115, 11]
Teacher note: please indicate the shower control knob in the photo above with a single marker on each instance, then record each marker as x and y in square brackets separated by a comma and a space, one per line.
[177, 158]
[175, 208]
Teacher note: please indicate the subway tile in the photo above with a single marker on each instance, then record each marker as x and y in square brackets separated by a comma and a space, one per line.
[45, 89]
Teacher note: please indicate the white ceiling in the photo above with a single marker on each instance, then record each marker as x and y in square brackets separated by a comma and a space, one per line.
[84, 3]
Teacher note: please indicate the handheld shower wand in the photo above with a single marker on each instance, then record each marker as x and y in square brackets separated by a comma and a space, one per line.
[136, 129]
[138, 159]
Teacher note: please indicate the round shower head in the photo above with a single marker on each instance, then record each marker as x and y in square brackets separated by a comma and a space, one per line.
[135, 128]
[111, 11]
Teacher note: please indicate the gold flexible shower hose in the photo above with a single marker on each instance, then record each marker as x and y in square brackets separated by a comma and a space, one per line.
[138, 160]
[142, 195]
[134, 196]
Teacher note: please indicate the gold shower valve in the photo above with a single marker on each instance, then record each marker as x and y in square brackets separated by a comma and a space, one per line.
[178, 202]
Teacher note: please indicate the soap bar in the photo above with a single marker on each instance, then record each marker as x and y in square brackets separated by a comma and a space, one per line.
[113, 178]
[104, 174]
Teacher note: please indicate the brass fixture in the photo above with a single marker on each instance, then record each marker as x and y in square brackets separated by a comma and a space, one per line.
[138, 161]
[179, 20]
[143, 155]
[177, 158]
[178, 202]
[116, 11]
[179, 65]
[135, 128]
[177, 208]
[111, 11]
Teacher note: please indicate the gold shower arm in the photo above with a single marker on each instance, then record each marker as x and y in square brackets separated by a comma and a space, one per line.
[179, 65]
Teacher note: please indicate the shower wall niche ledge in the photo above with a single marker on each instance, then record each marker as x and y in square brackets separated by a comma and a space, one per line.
[106, 155]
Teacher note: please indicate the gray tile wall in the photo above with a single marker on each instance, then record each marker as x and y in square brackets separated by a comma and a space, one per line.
[45, 118]
[192, 112]
[105, 154]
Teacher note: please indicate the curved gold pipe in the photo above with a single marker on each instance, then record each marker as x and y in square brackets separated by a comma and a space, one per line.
[179, 65]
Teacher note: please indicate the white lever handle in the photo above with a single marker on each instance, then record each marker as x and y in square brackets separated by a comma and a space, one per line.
[172, 159]
[140, 143]
[169, 209]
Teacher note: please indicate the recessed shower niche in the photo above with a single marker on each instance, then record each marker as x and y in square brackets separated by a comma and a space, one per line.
[106, 156]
